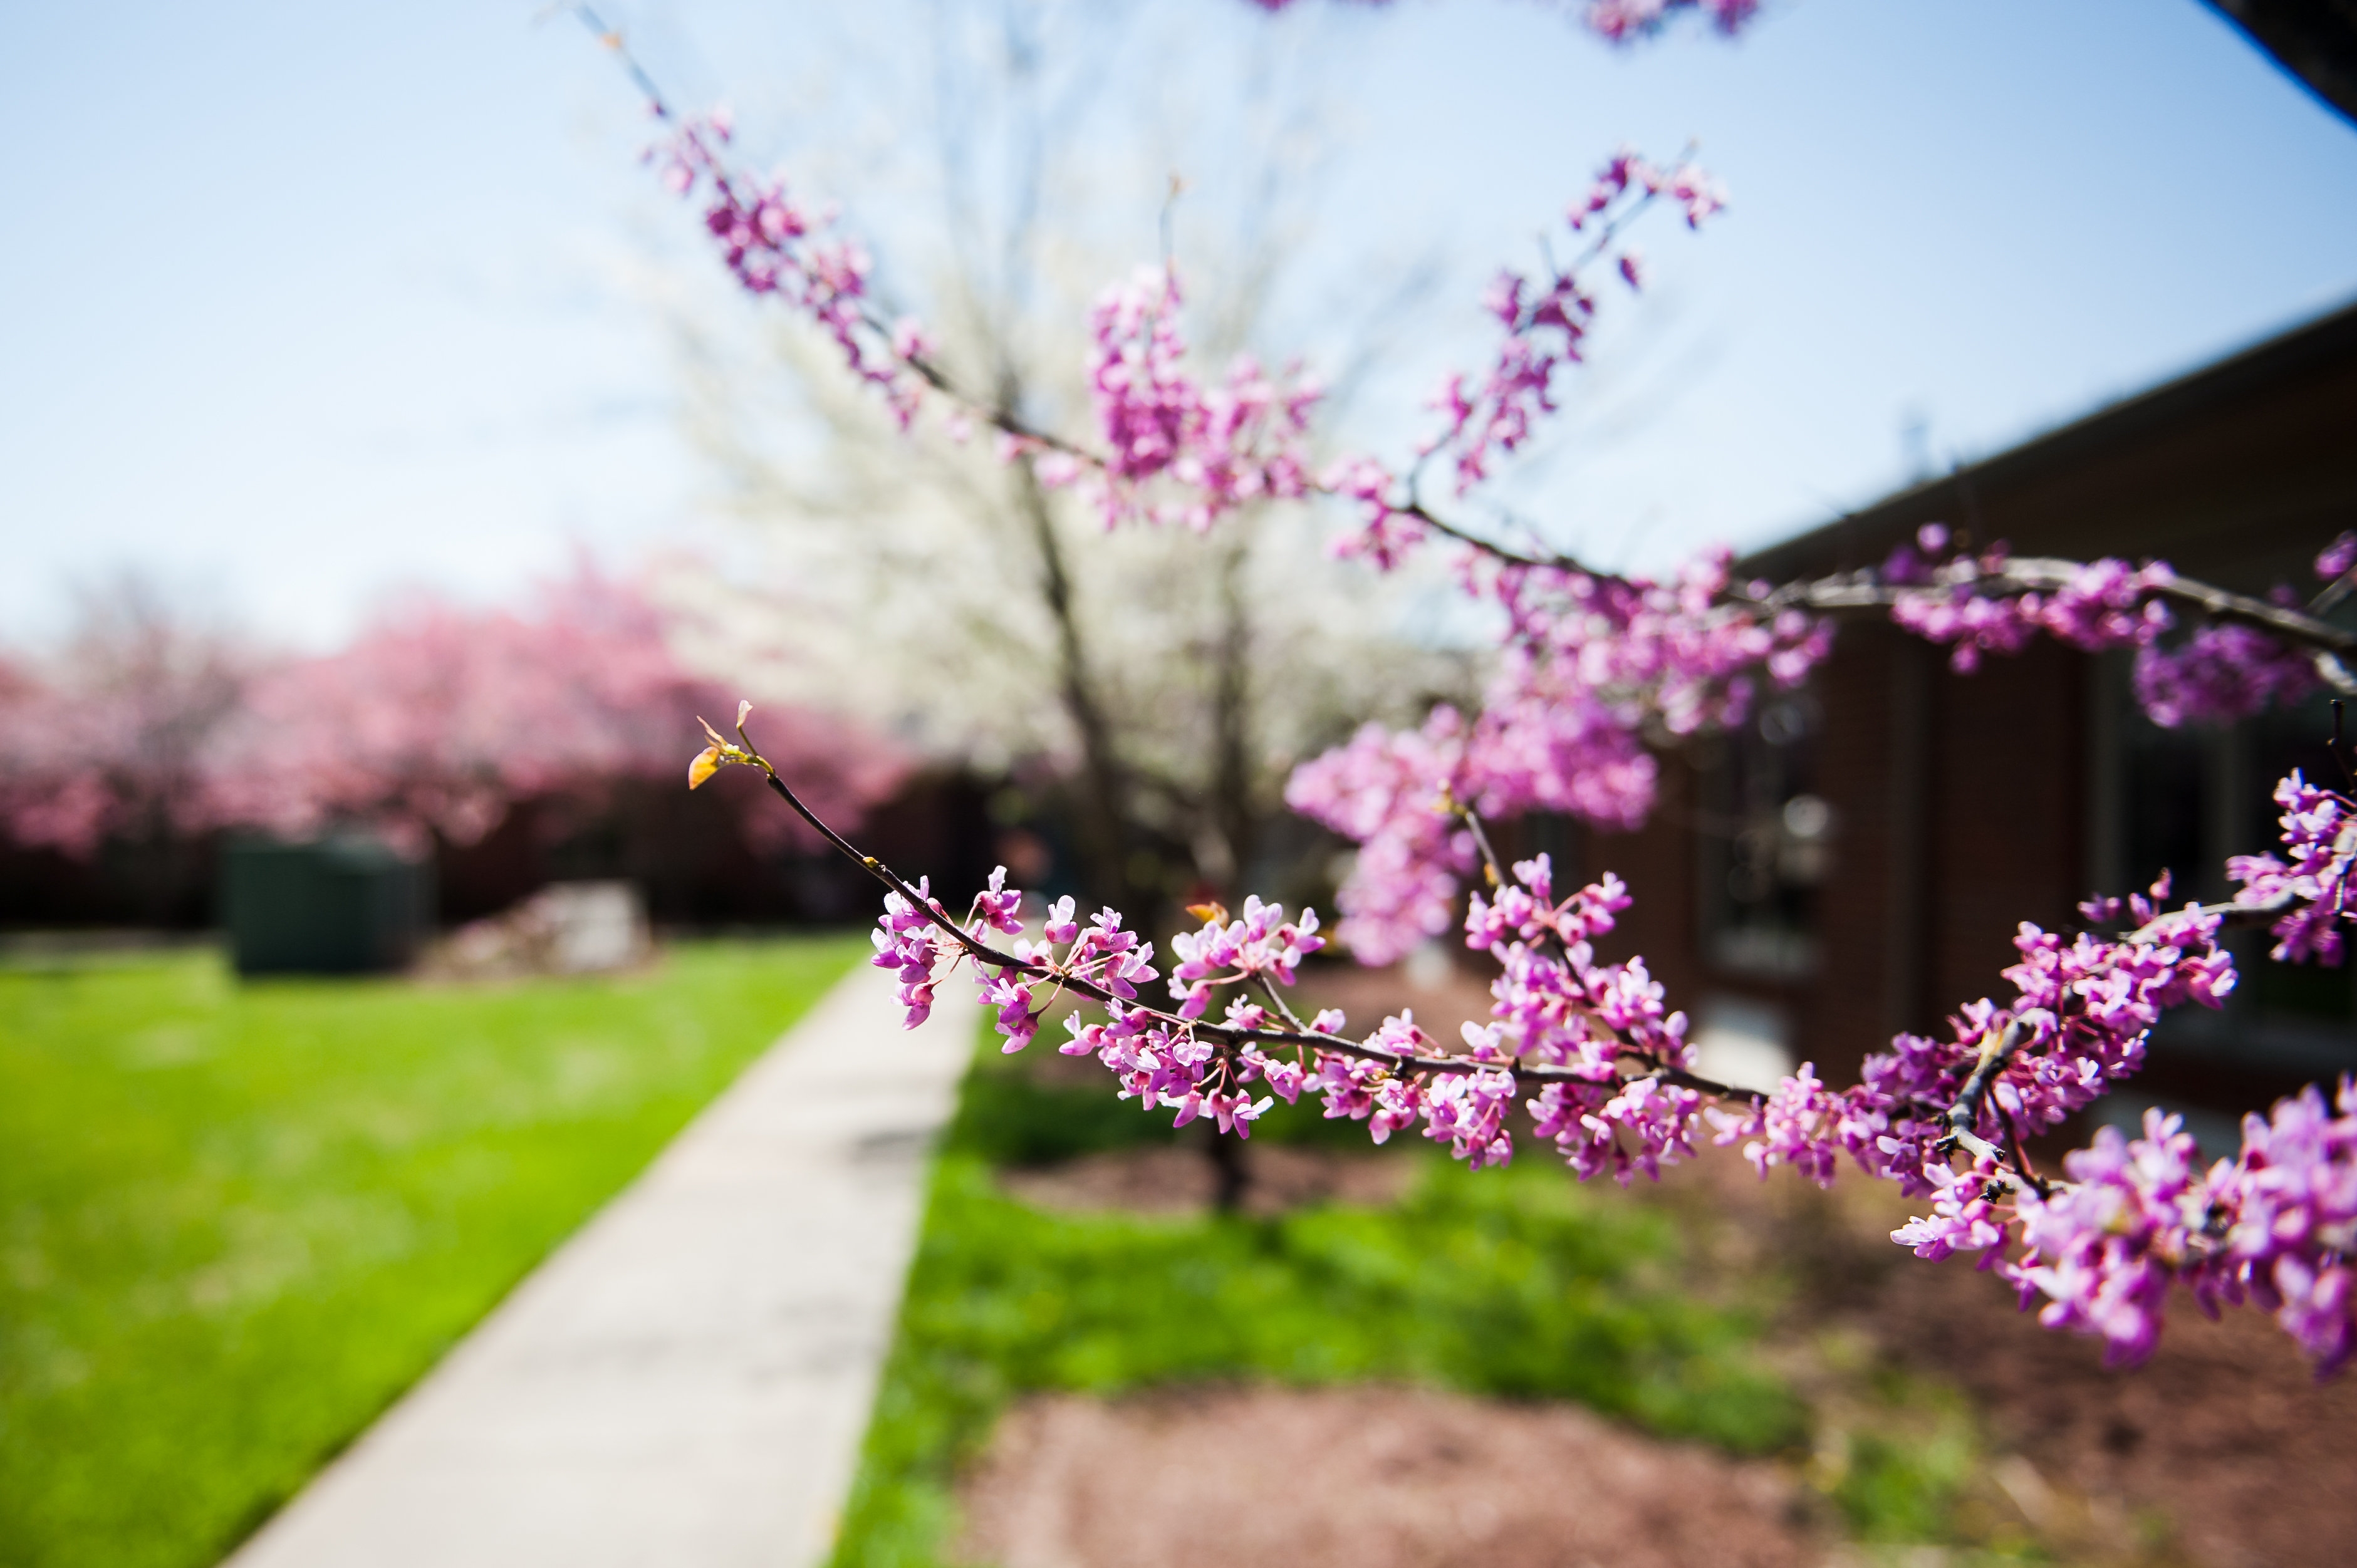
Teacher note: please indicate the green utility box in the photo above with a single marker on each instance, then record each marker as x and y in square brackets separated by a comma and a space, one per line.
[347, 904]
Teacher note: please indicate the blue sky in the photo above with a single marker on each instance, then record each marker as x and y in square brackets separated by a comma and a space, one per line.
[300, 303]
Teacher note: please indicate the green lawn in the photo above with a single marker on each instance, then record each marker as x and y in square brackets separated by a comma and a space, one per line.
[236, 1220]
[1511, 1283]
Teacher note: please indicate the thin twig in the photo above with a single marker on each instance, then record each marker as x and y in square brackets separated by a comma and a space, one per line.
[1481, 841]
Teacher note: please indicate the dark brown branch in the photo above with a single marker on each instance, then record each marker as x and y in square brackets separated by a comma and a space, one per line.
[1513, 557]
[1233, 1039]
[1996, 1050]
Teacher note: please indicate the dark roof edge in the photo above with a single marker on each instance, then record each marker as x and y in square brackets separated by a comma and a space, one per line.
[2322, 338]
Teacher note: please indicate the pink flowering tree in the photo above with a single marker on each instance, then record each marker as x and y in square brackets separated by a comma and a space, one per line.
[106, 739]
[1585, 1059]
[438, 720]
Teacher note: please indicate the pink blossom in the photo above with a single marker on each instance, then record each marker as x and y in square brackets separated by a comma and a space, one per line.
[2105, 1250]
[2218, 675]
[775, 246]
[1545, 318]
[1964, 1217]
[2293, 1195]
[1590, 663]
[1383, 789]
[1239, 442]
[116, 736]
[1624, 21]
[2320, 833]
[2336, 559]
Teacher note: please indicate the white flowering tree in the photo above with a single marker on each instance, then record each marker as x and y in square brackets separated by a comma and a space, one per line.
[1159, 683]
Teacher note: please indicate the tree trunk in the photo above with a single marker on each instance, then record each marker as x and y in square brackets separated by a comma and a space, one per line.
[1100, 807]
[1231, 1176]
[1233, 814]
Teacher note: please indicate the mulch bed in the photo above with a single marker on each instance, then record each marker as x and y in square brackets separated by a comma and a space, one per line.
[2225, 1432]
[1360, 1477]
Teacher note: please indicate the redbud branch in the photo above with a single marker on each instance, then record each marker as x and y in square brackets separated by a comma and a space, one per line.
[1609, 227]
[611, 37]
[1283, 1009]
[1481, 842]
[2257, 912]
[2021, 1157]
[1625, 1052]
[1402, 1062]
[1861, 591]
[2335, 591]
[1996, 1049]
[1491, 548]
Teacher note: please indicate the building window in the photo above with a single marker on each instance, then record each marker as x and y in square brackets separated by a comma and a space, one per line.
[2184, 800]
[1767, 841]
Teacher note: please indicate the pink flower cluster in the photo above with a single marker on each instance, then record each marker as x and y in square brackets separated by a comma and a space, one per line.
[2217, 673]
[2078, 1020]
[2319, 832]
[1221, 447]
[1387, 790]
[2105, 604]
[435, 720]
[2105, 1250]
[774, 245]
[2277, 1226]
[2293, 1241]
[1263, 945]
[1590, 663]
[438, 718]
[1174, 449]
[1385, 533]
[1624, 21]
[1546, 319]
[907, 943]
[1678, 648]
[1557, 1007]
[117, 736]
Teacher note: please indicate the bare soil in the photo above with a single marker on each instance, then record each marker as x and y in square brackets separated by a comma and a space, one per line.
[1359, 1477]
[2223, 1450]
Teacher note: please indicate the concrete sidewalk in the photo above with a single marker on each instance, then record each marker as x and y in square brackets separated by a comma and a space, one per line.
[685, 1382]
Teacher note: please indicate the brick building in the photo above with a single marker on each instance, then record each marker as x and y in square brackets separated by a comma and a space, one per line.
[1856, 860]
